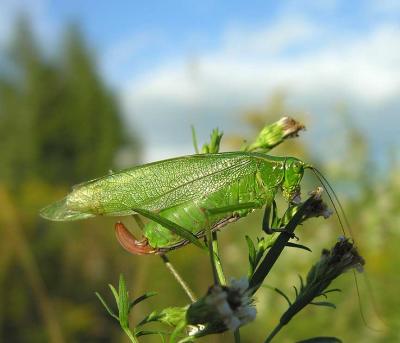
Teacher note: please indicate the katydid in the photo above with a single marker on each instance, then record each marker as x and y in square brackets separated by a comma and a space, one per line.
[179, 190]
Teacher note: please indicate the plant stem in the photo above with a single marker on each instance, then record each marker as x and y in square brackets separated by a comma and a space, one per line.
[178, 278]
[236, 335]
[218, 265]
[212, 257]
[274, 332]
[270, 258]
[130, 335]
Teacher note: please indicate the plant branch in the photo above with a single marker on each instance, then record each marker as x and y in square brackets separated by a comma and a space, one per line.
[178, 278]
[270, 258]
[217, 259]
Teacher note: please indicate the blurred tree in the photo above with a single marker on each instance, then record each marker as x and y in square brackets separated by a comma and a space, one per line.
[69, 120]
[59, 125]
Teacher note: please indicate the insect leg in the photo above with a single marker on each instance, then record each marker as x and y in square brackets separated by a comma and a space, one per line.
[173, 227]
[270, 226]
[266, 218]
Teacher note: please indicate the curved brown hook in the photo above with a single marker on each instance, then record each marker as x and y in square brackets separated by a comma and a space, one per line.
[129, 242]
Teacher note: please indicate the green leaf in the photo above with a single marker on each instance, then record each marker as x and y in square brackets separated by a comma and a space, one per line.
[152, 317]
[110, 312]
[284, 295]
[175, 228]
[123, 302]
[296, 291]
[115, 293]
[150, 332]
[213, 146]
[321, 340]
[323, 303]
[251, 247]
[298, 246]
[141, 298]
[332, 290]
[301, 282]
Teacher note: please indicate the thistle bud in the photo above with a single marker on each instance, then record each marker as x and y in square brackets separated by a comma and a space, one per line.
[274, 134]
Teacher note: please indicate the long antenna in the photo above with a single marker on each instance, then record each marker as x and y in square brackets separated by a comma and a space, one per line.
[329, 189]
[338, 202]
[325, 183]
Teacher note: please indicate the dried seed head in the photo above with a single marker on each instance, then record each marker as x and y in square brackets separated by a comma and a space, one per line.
[223, 308]
[290, 127]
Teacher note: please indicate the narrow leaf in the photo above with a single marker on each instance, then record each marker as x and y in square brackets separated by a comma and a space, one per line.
[173, 227]
[123, 302]
[110, 312]
[296, 291]
[301, 282]
[323, 303]
[252, 249]
[115, 293]
[284, 295]
[298, 246]
[141, 298]
[332, 290]
[152, 317]
[150, 332]
[321, 340]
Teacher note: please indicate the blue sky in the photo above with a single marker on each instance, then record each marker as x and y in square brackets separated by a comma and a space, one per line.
[176, 63]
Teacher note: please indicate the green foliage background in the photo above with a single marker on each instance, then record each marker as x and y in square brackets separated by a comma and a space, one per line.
[61, 125]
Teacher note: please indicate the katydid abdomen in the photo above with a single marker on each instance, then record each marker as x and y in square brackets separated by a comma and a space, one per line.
[192, 215]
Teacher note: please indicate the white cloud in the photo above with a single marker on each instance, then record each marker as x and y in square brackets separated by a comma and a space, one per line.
[362, 70]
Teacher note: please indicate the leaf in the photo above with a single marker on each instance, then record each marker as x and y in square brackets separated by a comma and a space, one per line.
[141, 298]
[298, 246]
[251, 247]
[301, 282]
[284, 295]
[152, 317]
[175, 228]
[321, 340]
[150, 332]
[296, 291]
[123, 302]
[332, 290]
[110, 312]
[115, 293]
[323, 303]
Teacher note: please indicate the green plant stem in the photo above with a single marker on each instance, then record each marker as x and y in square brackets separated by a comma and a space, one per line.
[274, 332]
[130, 335]
[236, 335]
[178, 278]
[218, 264]
[212, 257]
[270, 258]
[170, 267]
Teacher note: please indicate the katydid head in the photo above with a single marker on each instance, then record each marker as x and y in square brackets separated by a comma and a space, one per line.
[294, 171]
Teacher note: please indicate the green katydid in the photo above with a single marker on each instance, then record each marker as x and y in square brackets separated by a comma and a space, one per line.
[176, 192]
